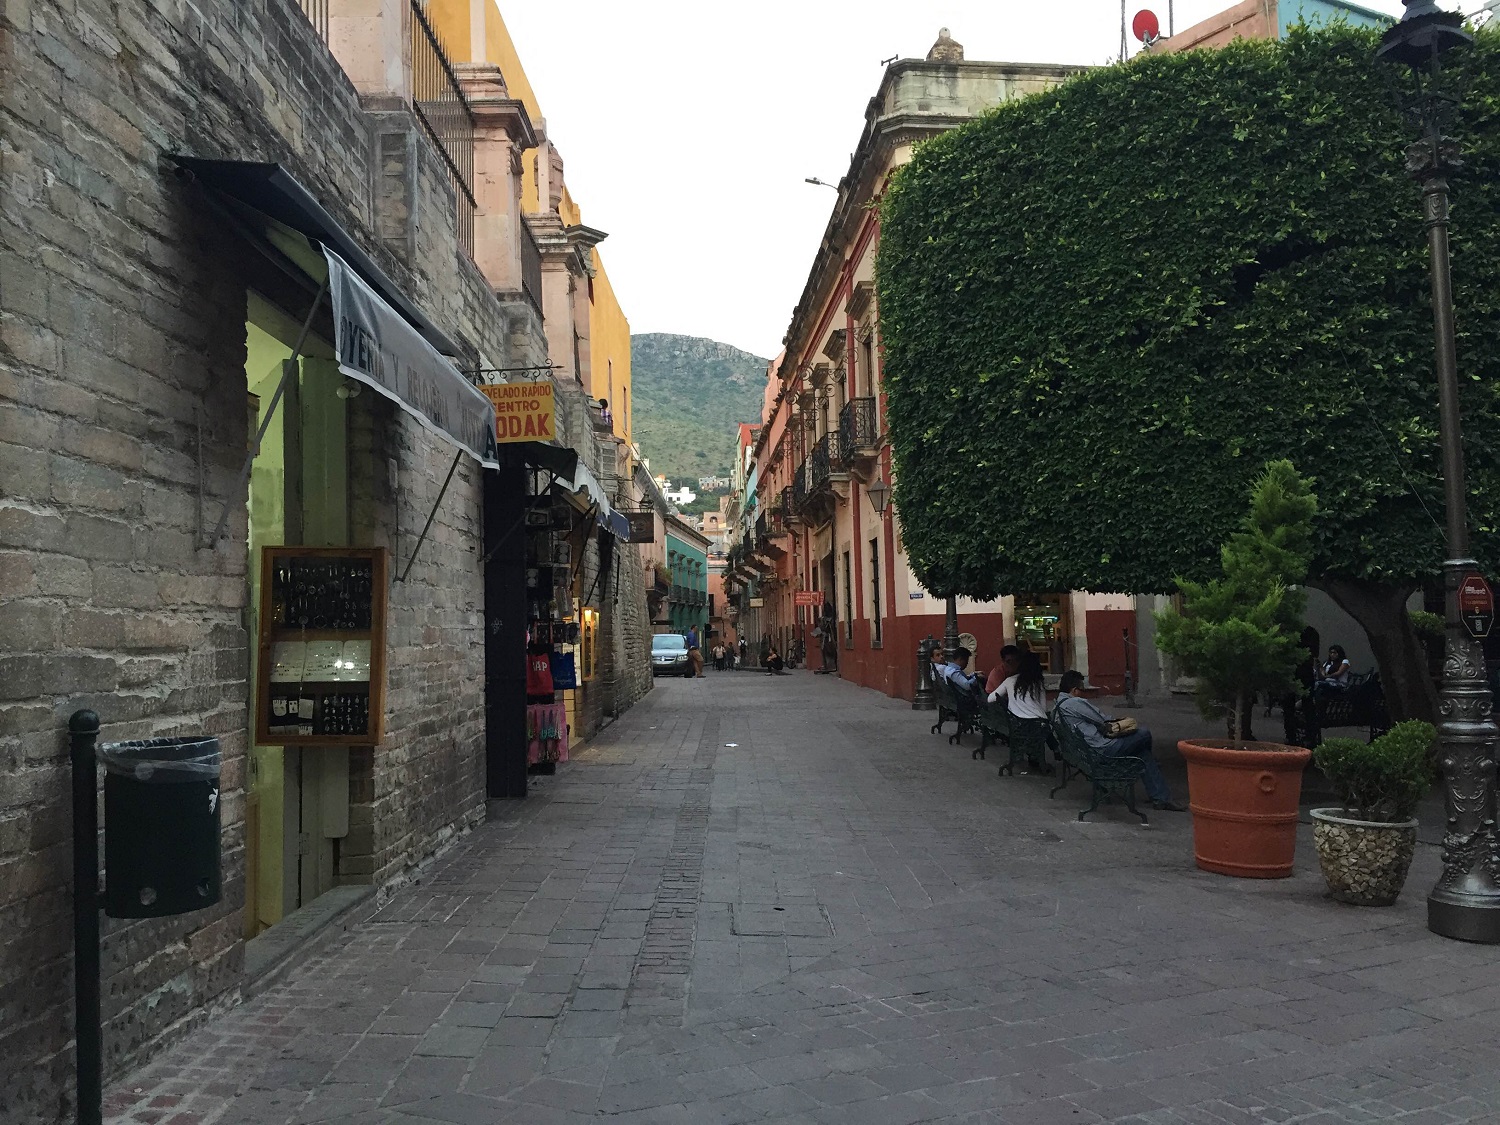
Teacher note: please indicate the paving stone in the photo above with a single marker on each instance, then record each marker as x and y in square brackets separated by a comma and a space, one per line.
[949, 947]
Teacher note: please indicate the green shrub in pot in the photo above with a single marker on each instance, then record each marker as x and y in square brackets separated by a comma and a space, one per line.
[1365, 847]
[1380, 781]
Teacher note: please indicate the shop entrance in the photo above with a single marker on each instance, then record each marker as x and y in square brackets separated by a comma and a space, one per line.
[297, 799]
[1043, 626]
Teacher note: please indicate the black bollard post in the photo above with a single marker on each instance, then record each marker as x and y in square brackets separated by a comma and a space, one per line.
[83, 733]
[924, 699]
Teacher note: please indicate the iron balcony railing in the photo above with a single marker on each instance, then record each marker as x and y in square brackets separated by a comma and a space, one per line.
[531, 269]
[317, 15]
[825, 455]
[799, 487]
[857, 426]
[788, 504]
[440, 105]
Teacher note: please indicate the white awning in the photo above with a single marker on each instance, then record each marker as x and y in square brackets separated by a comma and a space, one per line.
[584, 483]
[378, 347]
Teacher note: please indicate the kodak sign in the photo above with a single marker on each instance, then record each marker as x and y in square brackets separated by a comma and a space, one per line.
[523, 411]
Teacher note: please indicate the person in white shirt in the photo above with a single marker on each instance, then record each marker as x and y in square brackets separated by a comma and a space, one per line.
[1025, 692]
[1025, 696]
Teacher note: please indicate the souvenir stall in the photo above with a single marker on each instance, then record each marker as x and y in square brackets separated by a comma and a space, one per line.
[544, 511]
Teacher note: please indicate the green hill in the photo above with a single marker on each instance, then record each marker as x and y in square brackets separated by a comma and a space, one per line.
[690, 396]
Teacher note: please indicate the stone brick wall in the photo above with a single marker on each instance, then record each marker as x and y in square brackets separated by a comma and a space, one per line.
[122, 427]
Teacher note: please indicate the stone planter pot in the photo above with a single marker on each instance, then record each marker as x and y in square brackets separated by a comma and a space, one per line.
[1364, 862]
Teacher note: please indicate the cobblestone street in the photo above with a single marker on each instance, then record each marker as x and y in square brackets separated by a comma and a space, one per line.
[783, 900]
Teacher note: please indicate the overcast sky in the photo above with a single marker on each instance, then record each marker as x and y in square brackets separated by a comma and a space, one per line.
[688, 128]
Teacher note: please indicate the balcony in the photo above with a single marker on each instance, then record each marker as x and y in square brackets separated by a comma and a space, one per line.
[317, 15]
[824, 455]
[858, 439]
[799, 489]
[769, 529]
[444, 112]
[531, 269]
[827, 481]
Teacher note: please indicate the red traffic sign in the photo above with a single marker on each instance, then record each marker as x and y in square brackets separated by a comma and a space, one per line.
[1476, 605]
[1146, 26]
[809, 597]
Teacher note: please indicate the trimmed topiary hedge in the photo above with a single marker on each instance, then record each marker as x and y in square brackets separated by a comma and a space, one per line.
[1105, 308]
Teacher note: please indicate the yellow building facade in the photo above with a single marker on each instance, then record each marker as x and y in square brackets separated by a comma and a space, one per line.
[474, 31]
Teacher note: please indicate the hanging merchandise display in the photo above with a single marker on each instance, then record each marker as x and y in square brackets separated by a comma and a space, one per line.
[564, 671]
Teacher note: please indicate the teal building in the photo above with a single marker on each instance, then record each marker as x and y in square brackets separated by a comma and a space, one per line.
[687, 559]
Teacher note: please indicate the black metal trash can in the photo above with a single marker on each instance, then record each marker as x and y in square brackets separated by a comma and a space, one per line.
[161, 826]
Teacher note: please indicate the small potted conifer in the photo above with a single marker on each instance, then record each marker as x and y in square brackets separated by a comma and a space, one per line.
[1365, 847]
[1238, 635]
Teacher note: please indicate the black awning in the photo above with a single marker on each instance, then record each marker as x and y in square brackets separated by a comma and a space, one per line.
[271, 190]
[558, 459]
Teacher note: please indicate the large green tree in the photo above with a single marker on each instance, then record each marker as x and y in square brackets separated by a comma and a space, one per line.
[1107, 307]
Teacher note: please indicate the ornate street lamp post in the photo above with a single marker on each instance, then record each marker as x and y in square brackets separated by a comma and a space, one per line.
[1465, 903]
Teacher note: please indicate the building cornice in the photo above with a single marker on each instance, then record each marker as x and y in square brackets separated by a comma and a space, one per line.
[869, 166]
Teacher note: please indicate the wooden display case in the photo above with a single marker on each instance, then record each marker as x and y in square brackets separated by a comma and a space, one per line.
[322, 646]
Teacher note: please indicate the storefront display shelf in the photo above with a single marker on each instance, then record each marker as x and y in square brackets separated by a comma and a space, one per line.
[339, 672]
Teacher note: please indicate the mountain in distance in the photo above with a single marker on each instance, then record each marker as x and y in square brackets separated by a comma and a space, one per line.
[690, 396]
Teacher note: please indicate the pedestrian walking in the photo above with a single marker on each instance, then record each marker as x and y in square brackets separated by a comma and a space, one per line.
[744, 654]
[828, 633]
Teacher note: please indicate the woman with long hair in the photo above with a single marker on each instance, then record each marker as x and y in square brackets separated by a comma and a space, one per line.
[1335, 672]
[1025, 695]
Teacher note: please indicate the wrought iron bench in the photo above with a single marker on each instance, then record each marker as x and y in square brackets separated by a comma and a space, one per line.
[961, 707]
[993, 722]
[1028, 744]
[1110, 775]
[1360, 704]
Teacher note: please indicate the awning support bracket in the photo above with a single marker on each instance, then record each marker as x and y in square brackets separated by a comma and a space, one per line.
[288, 370]
[515, 527]
[432, 515]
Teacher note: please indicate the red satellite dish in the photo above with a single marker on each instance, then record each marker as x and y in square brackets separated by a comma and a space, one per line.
[1146, 26]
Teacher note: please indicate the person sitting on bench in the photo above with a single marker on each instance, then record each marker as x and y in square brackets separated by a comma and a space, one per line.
[954, 673]
[1025, 695]
[1089, 723]
[1009, 665]
[1335, 673]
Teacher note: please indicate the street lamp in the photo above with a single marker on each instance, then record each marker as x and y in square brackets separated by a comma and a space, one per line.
[819, 183]
[1465, 903]
[880, 496]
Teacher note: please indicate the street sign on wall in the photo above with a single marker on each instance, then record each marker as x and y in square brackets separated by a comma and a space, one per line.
[809, 597]
[1476, 605]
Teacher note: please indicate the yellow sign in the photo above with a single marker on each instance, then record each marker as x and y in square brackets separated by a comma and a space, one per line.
[523, 411]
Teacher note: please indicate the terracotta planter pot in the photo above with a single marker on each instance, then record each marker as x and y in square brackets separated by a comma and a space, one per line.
[1244, 804]
[1365, 862]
